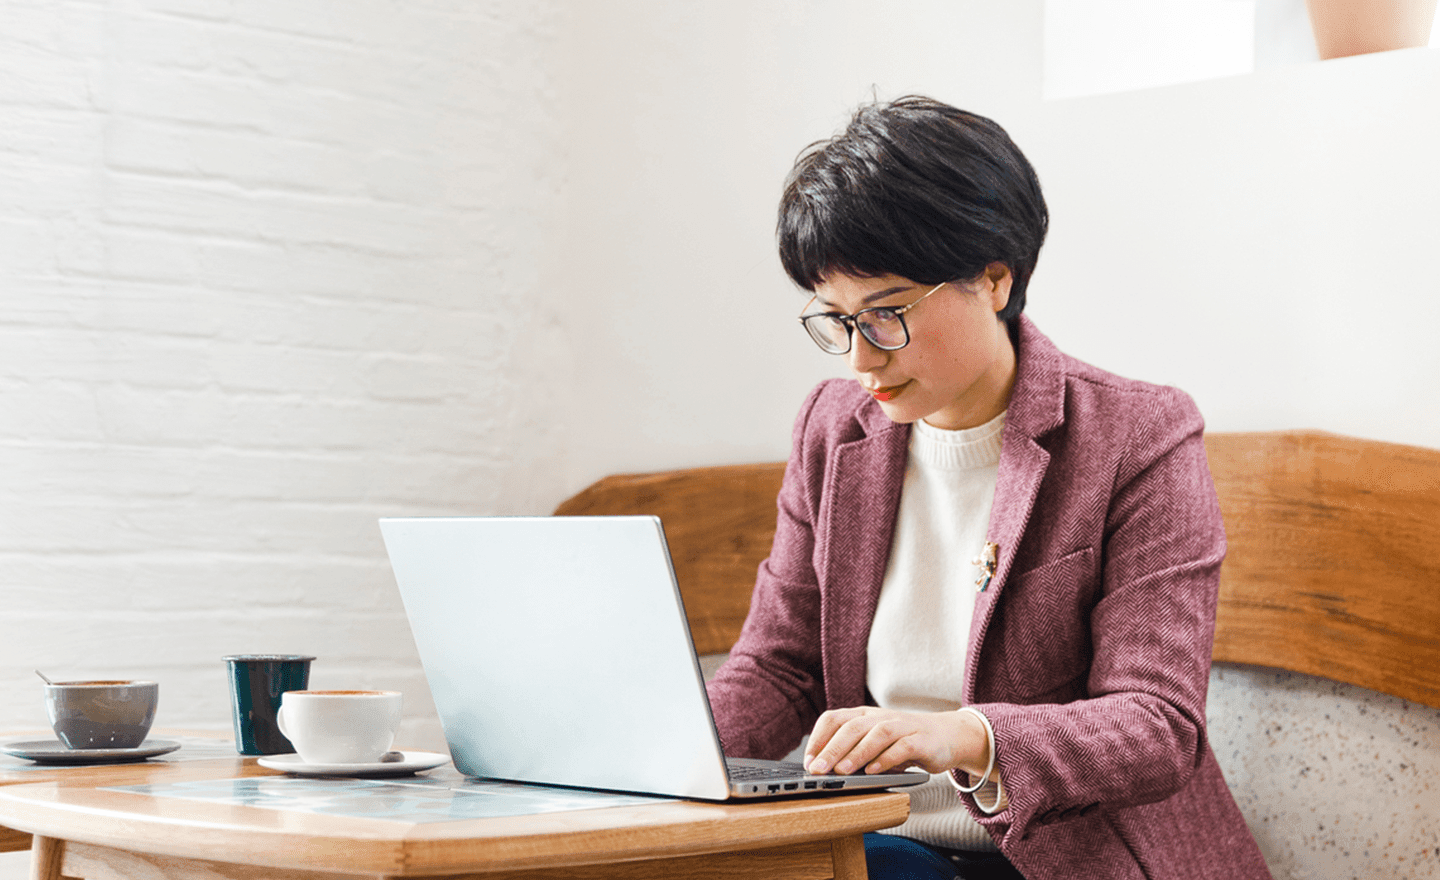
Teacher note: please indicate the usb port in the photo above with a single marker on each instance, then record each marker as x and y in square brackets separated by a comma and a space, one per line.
[809, 785]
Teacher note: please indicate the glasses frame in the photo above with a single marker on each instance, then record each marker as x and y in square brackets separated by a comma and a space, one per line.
[850, 322]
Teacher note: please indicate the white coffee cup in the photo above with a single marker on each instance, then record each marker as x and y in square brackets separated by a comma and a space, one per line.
[339, 727]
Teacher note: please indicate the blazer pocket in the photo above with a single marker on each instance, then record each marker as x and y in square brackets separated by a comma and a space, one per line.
[1038, 647]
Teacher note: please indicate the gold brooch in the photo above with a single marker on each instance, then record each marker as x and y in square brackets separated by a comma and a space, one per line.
[986, 562]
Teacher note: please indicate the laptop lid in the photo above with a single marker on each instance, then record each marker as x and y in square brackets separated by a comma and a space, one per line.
[558, 652]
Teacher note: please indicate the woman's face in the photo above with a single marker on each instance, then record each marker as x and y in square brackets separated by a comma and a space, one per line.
[959, 367]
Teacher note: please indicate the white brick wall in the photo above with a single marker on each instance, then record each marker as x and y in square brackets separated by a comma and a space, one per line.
[268, 271]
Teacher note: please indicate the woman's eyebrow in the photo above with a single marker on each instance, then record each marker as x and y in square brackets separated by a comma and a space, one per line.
[871, 297]
[889, 291]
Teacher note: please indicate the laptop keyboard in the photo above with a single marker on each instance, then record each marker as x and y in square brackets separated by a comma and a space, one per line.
[750, 773]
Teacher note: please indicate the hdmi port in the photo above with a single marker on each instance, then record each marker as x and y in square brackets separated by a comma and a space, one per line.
[791, 786]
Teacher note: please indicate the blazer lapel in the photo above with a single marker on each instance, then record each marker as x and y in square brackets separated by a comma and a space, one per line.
[864, 500]
[1036, 407]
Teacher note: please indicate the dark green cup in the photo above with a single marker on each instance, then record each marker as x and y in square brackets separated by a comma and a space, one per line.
[256, 683]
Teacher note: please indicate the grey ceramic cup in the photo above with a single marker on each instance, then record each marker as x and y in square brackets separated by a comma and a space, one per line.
[102, 714]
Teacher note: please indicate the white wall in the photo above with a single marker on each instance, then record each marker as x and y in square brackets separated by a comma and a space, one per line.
[1265, 242]
[1259, 240]
[267, 272]
[690, 115]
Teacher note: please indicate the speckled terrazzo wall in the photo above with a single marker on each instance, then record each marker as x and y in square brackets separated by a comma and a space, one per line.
[1336, 782]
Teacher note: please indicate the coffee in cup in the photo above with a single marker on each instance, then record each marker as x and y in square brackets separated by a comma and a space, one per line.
[340, 727]
[101, 714]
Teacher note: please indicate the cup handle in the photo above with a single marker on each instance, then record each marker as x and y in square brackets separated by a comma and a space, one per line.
[280, 721]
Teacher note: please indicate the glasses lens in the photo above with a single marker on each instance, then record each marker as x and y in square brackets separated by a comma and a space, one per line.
[883, 327]
[829, 333]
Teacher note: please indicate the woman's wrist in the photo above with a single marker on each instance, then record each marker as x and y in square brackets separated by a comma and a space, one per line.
[977, 767]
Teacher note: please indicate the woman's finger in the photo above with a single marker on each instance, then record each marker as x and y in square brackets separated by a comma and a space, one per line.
[876, 740]
[844, 749]
[901, 754]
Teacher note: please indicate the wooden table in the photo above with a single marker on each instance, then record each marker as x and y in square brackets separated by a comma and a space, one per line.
[84, 830]
[218, 754]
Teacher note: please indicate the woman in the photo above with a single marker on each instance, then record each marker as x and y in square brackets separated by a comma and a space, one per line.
[992, 561]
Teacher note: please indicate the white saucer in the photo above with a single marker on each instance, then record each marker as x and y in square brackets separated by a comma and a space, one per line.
[410, 762]
[53, 751]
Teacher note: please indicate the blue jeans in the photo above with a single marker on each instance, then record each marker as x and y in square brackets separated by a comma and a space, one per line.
[888, 857]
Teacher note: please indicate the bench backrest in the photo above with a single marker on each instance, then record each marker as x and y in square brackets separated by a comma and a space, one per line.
[1333, 566]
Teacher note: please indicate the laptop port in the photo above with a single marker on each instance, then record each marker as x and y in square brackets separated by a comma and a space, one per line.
[836, 784]
[791, 786]
[809, 785]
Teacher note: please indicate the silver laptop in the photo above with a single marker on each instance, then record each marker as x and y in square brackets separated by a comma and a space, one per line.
[558, 652]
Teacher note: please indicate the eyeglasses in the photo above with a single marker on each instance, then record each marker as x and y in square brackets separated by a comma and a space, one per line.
[882, 326]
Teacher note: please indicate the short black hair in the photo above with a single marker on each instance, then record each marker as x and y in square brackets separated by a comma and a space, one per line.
[916, 188]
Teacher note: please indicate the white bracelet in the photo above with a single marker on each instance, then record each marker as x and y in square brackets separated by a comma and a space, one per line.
[990, 741]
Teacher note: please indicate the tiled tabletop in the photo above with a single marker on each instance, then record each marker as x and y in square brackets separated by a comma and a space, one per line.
[441, 796]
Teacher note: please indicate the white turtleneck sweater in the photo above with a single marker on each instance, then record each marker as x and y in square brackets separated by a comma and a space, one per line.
[921, 632]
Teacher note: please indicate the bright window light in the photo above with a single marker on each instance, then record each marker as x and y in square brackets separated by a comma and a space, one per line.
[1097, 47]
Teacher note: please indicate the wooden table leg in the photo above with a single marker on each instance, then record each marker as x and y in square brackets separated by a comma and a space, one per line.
[46, 854]
[849, 856]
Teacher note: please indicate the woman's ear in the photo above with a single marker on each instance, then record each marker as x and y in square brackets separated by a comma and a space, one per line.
[995, 283]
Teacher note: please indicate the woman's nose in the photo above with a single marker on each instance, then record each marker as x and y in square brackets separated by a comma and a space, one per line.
[864, 356]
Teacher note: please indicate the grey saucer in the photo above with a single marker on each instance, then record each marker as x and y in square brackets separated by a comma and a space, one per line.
[52, 751]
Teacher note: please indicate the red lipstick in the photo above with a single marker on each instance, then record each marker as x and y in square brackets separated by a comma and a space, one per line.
[885, 395]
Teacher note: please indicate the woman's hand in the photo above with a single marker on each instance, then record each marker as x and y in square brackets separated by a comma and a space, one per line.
[877, 740]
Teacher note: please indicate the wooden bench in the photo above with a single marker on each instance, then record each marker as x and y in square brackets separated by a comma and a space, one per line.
[1333, 571]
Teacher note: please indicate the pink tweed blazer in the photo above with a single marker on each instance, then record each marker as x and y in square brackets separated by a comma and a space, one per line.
[1090, 648]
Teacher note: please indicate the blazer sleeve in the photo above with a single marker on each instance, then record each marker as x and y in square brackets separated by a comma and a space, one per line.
[768, 694]
[1137, 734]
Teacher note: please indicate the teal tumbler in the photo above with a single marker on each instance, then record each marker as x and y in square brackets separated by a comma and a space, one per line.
[256, 683]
